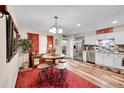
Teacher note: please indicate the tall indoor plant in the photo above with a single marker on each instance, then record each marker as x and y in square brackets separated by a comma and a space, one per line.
[25, 45]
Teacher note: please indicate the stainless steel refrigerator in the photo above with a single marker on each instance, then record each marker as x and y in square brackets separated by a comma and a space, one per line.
[78, 49]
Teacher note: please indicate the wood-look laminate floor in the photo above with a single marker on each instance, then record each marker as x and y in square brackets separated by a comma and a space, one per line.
[100, 77]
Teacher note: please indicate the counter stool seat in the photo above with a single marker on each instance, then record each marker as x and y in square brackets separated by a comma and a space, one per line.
[60, 67]
[61, 74]
[62, 61]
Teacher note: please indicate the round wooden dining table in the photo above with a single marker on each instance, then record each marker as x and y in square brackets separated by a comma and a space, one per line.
[53, 57]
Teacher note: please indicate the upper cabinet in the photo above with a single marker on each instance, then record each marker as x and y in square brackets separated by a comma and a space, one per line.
[100, 36]
[119, 37]
[90, 40]
[110, 35]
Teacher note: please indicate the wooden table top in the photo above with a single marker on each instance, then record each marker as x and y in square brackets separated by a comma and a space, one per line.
[57, 56]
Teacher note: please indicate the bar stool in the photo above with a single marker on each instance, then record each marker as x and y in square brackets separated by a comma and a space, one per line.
[51, 73]
[61, 74]
[62, 61]
[43, 74]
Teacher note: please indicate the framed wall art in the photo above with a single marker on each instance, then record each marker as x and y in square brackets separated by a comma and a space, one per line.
[12, 38]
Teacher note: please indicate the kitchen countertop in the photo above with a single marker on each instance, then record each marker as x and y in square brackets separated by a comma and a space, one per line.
[120, 53]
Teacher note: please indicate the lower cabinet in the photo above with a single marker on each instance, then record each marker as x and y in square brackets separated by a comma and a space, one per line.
[118, 61]
[90, 40]
[109, 59]
[99, 58]
[84, 56]
[119, 37]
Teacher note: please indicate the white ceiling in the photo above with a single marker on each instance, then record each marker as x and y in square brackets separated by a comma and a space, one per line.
[91, 18]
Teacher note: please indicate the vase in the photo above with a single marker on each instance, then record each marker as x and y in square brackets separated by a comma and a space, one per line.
[53, 54]
[25, 65]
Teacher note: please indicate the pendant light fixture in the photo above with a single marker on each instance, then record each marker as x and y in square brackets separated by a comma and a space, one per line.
[56, 28]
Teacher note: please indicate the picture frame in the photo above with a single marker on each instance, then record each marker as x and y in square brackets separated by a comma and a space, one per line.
[56, 42]
[15, 39]
[12, 38]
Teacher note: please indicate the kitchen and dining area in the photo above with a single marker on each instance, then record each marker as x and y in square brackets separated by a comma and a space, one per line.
[61, 46]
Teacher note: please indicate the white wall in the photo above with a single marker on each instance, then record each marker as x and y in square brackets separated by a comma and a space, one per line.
[70, 44]
[59, 45]
[42, 44]
[24, 31]
[8, 71]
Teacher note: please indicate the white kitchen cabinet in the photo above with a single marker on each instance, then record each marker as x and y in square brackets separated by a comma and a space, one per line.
[110, 35]
[87, 40]
[105, 59]
[90, 40]
[119, 37]
[105, 36]
[99, 58]
[108, 59]
[118, 61]
[100, 36]
[84, 56]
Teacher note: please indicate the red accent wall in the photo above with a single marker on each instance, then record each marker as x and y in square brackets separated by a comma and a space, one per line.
[107, 30]
[49, 41]
[35, 41]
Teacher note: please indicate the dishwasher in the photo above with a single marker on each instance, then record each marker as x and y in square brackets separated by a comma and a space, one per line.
[91, 56]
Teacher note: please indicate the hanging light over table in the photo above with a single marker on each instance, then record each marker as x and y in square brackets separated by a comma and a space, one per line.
[56, 28]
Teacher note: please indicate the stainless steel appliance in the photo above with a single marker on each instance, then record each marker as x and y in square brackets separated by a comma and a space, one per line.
[64, 47]
[90, 54]
[78, 49]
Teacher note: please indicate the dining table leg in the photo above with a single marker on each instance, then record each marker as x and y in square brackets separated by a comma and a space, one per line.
[54, 61]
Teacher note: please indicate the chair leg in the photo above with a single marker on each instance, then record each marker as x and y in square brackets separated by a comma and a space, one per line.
[39, 77]
[42, 76]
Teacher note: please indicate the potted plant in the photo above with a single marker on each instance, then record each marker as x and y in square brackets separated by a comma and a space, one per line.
[25, 45]
[53, 51]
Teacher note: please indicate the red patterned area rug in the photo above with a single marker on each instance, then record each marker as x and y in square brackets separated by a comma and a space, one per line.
[28, 79]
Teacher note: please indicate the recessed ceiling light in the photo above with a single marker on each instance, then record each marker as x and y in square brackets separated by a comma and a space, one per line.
[114, 22]
[78, 25]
